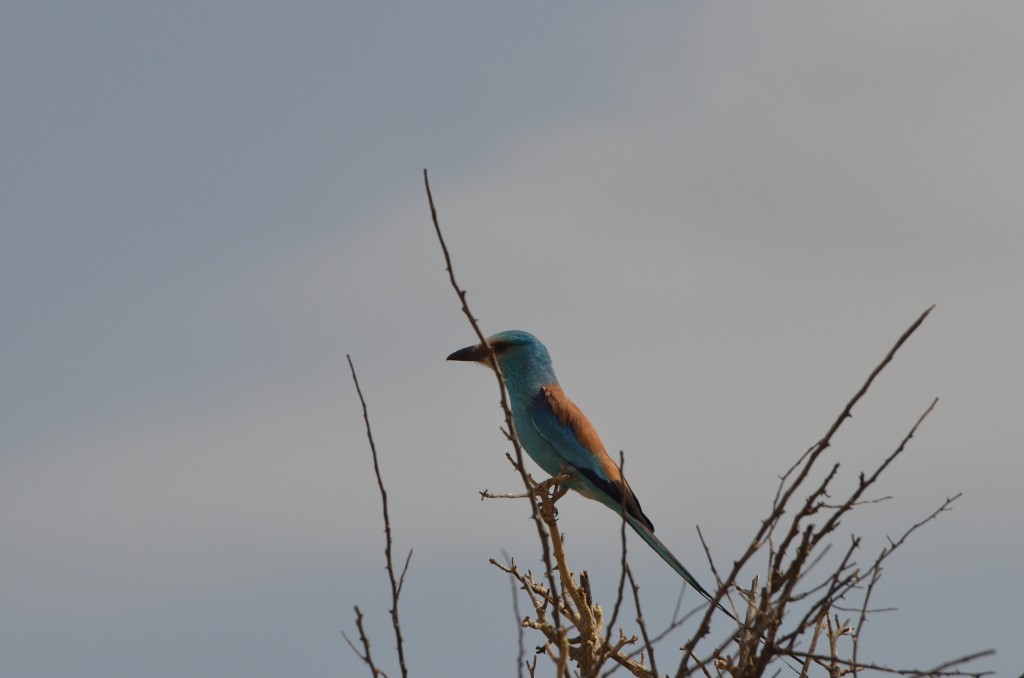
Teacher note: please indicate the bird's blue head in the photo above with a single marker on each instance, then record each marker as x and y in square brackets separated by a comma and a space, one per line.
[523, 360]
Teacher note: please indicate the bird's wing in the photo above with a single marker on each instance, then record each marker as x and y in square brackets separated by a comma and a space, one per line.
[564, 426]
[572, 437]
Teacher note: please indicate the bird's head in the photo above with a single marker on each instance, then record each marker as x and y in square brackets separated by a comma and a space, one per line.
[523, 359]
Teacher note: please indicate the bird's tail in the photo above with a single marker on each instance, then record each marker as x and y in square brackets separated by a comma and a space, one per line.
[648, 536]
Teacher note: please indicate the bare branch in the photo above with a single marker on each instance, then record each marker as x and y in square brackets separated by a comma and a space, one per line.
[493, 361]
[520, 661]
[711, 564]
[876, 572]
[365, 641]
[640, 620]
[822, 444]
[624, 564]
[487, 494]
[788, 485]
[396, 583]
[944, 669]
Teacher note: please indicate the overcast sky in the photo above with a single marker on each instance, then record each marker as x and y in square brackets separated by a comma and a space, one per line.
[717, 217]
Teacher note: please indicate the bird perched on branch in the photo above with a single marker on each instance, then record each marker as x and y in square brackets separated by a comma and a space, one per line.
[560, 438]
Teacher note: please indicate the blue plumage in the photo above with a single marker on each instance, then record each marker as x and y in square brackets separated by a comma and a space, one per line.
[560, 438]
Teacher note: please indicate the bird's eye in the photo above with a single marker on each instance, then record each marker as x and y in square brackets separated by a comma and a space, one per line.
[500, 346]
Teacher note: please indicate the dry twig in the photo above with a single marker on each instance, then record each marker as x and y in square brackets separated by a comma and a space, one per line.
[493, 361]
[396, 582]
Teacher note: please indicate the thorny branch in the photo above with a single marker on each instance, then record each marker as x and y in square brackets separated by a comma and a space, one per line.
[364, 640]
[799, 540]
[520, 661]
[396, 582]
[510, 432]
[589, 650]
[875, 571]
[623, 563]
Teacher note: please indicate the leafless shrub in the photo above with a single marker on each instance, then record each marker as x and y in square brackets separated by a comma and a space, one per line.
[788, 616]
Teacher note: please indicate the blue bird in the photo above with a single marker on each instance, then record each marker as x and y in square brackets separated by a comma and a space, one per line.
[560, 438]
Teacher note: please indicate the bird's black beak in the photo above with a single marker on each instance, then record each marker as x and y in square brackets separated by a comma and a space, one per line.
[474, 354]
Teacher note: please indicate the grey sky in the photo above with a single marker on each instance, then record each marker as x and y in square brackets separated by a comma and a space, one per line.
[717, 217]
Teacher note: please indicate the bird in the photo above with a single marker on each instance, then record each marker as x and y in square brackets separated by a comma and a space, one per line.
[560, 438]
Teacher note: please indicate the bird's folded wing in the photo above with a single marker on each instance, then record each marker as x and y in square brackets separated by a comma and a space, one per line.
[573, 438]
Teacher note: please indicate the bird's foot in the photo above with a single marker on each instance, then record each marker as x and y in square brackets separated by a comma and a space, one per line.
[554, 487]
